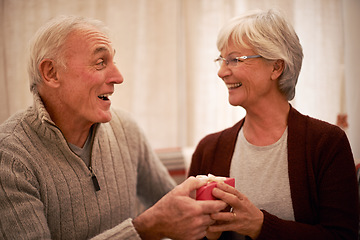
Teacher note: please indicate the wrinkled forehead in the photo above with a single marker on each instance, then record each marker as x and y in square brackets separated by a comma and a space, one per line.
[91, 38]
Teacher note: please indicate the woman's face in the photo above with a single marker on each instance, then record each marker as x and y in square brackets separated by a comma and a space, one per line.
[249, 82]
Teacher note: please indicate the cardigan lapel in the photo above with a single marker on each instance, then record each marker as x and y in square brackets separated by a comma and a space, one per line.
[225, 149]
[298, 165]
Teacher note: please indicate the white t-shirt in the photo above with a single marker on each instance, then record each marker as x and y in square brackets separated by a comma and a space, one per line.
[261, 173]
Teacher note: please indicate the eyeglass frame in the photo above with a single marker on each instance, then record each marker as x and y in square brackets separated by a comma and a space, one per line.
[220, 60]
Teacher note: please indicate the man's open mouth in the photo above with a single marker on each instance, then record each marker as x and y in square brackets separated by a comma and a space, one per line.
[105, 97]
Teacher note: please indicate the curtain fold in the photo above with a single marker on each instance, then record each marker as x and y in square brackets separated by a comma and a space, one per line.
[165, 51]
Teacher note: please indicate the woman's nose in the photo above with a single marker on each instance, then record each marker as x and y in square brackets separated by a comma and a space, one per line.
[224, 71]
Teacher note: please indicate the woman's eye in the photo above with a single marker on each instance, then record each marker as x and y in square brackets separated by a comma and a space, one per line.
[235, 60]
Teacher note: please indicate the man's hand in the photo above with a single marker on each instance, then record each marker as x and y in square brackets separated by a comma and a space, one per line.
[178, 215]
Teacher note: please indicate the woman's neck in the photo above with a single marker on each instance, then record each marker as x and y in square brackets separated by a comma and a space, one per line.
[265, 126]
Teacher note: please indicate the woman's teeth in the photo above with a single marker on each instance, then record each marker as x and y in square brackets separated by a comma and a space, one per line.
[233, 85]
[104, 96]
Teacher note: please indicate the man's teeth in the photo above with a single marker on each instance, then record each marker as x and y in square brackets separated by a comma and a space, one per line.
[233, 85]
[104, 96]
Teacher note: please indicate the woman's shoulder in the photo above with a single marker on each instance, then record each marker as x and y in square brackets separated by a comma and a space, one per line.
[224, 136]
[312, 124]
[315, 132]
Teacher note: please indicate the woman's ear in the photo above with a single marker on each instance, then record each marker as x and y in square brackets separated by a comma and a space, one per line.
[278, 68]
[48, 72]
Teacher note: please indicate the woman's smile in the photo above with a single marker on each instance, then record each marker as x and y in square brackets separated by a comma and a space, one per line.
[231, 86]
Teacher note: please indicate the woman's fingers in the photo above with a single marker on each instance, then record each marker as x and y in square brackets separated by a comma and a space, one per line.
[228, 194]
[244, 217]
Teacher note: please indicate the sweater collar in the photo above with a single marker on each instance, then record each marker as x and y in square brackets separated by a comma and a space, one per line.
[44, 124]
[41, 111]
[40, 120]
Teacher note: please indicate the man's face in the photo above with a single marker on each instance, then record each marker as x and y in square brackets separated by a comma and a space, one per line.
[88, 78]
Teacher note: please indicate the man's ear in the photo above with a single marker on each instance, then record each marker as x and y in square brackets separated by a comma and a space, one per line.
[48, 72]
[278, 68]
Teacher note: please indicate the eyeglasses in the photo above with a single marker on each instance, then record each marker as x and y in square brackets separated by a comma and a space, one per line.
[233, 61]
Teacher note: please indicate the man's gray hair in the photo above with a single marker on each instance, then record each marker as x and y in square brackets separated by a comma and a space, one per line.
[49, 40]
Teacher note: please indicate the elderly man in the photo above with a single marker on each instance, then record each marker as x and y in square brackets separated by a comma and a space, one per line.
[71, 166]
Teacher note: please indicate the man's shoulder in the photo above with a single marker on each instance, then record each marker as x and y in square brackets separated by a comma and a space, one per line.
[118, 113]
[12, 126]
[16, 137]
[122, 121]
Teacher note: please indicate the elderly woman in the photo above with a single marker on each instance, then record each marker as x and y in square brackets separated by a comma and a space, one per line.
[294, 174]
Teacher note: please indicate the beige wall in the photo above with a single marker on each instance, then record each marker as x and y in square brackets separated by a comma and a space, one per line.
[352, 71]
[165, 50]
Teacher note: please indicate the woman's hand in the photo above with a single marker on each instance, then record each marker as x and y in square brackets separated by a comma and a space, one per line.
[178, 215]
[244, 217]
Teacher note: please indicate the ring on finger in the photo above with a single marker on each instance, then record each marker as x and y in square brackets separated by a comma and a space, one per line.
[232, 211]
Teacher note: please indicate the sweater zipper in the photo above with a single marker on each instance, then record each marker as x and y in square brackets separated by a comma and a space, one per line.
[93, 175]
[94, 179]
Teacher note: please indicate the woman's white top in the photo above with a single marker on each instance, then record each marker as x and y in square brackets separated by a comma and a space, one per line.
[261, 173]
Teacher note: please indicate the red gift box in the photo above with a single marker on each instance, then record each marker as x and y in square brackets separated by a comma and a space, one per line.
[205, 192]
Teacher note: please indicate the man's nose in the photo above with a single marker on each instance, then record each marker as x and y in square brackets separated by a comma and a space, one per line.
[115, 76]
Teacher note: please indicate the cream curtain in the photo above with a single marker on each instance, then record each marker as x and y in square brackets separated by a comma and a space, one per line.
[165, 51]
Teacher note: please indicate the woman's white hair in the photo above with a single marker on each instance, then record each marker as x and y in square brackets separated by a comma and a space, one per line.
[272, 37]
[49, 40]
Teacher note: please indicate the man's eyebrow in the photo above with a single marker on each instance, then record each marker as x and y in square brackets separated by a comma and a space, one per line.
[101, 49]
